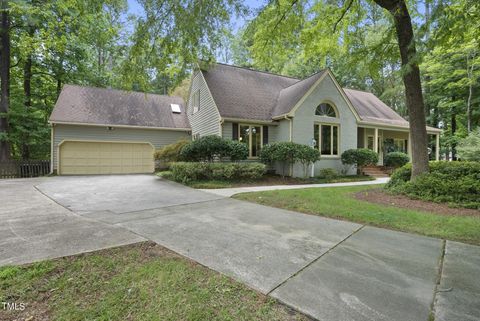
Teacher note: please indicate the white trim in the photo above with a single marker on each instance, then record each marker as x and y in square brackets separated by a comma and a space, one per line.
[331, 155]
[118, 126]
[250, 121]
[365, 124]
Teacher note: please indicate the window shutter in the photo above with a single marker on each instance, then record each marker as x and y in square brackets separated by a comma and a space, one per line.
[265, 135]
[234, 131]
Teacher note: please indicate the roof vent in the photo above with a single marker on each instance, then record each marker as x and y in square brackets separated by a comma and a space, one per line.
[175, 108]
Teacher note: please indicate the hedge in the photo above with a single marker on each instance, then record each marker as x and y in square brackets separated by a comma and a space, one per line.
[287, 153]
[185, 172]
[209, 148]
[457, 183]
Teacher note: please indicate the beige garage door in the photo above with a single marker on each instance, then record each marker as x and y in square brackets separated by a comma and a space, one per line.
[105, 158]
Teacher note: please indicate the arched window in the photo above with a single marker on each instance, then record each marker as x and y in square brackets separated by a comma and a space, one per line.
[325, 109]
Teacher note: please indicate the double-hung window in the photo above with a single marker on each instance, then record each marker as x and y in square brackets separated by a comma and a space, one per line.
[327, 136]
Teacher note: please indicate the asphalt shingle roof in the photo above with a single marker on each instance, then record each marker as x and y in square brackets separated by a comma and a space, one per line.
[243, 93]
[79, 104]
[250, 94]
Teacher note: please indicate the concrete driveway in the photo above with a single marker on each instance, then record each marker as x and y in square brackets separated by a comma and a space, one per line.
[328, 269]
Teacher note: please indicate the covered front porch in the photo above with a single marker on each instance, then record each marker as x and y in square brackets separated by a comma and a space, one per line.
[384, 140]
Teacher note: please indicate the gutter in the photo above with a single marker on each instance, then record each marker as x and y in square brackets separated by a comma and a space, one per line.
[119, 126]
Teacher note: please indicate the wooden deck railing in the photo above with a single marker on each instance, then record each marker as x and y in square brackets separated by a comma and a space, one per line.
[24, 168]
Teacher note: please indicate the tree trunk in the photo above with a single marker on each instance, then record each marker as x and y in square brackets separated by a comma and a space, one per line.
[454, 129]
[4, 80]
[411, 79]
[470, 70]
[27, 91]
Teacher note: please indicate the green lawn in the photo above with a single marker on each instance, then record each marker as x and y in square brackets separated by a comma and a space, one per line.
[338, 202]
[267, 180]
[137, 282]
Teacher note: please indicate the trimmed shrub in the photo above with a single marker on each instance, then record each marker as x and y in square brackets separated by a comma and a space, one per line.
[235, 150]
[185, 172]
[208, 148]
[328, 173]
[306, 156]
[469, 147]
[171, 153]
[396, 159]
[450, 182]
[359, 157]
[288, 153]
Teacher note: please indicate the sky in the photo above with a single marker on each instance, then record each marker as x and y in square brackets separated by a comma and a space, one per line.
[238, 22]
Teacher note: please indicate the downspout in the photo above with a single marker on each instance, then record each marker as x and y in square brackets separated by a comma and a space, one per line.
[52, 135]
[220, 125]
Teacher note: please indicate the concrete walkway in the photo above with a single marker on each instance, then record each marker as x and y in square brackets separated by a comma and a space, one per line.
[228, 192]
[329, 269]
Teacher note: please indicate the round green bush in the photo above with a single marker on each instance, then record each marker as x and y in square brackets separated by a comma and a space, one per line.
[396, 159]
[288, 153]
[327, 173]
[359, 157]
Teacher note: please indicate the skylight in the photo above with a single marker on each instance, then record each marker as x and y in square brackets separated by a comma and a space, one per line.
[175, 108]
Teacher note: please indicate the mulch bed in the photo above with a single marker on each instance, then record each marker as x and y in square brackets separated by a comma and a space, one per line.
[379, 196]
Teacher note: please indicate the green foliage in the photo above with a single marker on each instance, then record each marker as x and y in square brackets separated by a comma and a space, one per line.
[287, 153]
[469, 148]
[185, 172]
[359, 157]
[235, 150]
[171, 153]
[396, 159]
[328, 173]
[451, 182]
[208, 148]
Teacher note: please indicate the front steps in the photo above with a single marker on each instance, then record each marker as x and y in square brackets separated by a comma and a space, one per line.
[375, 171]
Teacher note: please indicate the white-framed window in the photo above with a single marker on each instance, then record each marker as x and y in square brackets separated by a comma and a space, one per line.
[196, 101]
[252, 136]
[328, 139]
[326, 110]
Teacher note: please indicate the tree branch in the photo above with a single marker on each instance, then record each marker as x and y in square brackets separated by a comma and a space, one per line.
[349, 5]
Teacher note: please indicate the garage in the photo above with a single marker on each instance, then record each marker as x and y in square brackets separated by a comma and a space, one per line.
[108, 131]
[93, 157]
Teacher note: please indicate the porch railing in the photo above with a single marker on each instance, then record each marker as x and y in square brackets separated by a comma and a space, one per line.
[24, 168]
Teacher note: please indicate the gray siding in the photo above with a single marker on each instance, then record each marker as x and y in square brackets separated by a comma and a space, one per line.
[157, 138]
[206, 121]
[305, 118]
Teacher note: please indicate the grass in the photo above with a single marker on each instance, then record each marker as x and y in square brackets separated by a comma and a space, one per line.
[268, 179]
[137, 282]
[339, 202]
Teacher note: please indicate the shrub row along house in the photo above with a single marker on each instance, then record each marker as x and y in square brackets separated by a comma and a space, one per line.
[100, 131]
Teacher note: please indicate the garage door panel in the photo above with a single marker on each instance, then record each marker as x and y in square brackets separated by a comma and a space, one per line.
[105, 158]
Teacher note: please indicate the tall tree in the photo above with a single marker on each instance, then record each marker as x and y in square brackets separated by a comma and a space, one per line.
[4, 79]
[413, 86]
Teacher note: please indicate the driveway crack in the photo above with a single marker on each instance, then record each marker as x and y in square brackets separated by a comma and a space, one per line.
[438, 281]
[316, 259]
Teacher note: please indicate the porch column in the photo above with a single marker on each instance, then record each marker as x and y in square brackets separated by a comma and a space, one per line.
[409, 149]
[437, 147]
[375, 141]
